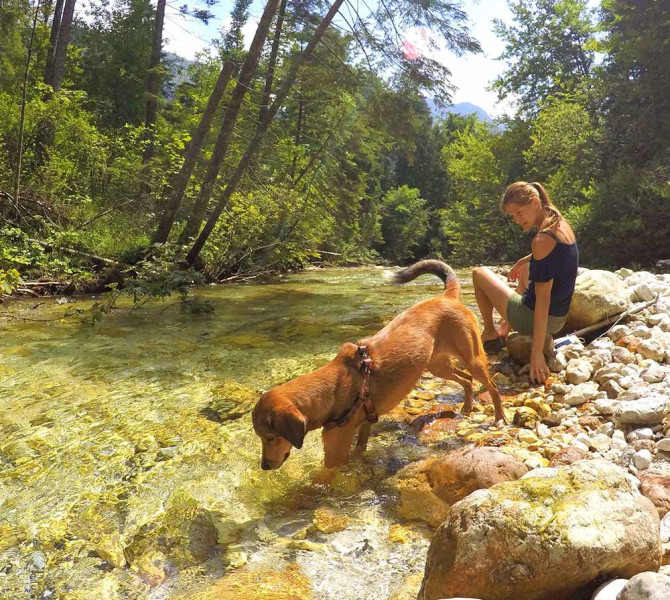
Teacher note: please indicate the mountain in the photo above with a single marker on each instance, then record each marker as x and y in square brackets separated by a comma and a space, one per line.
[462, 108]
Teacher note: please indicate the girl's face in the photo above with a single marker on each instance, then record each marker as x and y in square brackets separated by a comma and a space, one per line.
[524, 215]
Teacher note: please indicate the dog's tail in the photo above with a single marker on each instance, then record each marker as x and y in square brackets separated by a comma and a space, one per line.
[452, 288]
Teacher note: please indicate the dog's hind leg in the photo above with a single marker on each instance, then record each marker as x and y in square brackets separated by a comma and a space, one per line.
[444, 368]
[480, 371]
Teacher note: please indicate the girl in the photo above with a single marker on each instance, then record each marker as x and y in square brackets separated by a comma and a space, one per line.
[546, 277]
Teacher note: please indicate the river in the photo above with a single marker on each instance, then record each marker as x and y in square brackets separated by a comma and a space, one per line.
[129, 467]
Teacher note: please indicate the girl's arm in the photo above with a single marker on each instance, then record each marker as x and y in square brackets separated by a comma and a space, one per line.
[538, 366]
[515, 271]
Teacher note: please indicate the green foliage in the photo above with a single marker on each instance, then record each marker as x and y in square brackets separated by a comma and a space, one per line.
[550, 50]
[473, 223]
[564, 150]
[9, 281]
[404, 223]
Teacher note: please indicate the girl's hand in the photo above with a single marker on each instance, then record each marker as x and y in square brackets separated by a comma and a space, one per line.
[516, 270]
[539, 372]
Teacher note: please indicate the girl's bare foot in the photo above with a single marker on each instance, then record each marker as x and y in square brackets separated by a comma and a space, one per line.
[504, 329]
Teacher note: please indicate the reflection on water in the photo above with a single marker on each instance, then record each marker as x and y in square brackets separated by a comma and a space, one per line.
[129, 469]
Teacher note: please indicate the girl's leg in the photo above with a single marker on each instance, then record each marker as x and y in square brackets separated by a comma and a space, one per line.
[490, 293]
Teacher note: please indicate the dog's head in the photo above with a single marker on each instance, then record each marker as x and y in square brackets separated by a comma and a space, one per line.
[280, 425]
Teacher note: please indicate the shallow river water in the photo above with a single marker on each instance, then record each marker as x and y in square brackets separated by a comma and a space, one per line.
[129, 467]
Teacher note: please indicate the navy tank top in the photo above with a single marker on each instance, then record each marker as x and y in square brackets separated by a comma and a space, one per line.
[561, 266]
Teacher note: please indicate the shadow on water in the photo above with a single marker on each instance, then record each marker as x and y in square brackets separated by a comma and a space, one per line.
[128, 461]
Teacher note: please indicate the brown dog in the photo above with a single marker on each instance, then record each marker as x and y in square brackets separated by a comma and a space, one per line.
[427, 336]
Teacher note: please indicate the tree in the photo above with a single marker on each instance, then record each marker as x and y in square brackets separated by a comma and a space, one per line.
[404, 223]
[550, 50]
[153, 88]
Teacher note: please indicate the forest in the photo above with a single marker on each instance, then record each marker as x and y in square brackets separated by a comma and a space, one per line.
[314, 142]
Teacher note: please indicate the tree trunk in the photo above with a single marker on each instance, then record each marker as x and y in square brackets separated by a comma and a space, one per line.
[53, 42]
[229, 117]
[272, 62]
[178, 186]
[22, 120]
[60, 53]
[255, 141]
[153, 90]
[298, 136]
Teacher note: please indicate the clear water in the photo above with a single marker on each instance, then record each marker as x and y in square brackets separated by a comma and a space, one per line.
[134, 436]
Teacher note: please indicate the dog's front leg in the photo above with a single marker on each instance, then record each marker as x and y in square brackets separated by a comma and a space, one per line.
[337, 444]
[363, 435]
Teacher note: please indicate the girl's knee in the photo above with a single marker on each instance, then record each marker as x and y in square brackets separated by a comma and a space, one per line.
[479, 273]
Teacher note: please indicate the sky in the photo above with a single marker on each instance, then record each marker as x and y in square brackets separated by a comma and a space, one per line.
[471, 74]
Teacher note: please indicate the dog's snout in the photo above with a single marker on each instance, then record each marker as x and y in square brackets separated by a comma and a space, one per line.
[265, 465]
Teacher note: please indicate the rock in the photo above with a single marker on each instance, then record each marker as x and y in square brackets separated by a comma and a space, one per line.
[652, 348]
[567, 456]
[152, 567]
[642, 459]
[609, 590]
[518, 347]
[289, 584]
[663, 445]
[598, 295]
[530, 538]
[427, 489]
[581, 393]
[656, 487]
[645, 411]
[643, 293]
[623, 355]
[326, 521]
[578, 371]
[653, 373]
[646, 586]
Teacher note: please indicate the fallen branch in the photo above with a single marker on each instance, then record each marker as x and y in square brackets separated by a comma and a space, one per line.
[93, 257]
[605, 322]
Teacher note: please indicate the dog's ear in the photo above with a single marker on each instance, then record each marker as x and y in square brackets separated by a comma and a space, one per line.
[291, 424]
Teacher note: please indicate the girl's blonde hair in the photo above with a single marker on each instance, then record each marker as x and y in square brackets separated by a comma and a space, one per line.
[522, 192]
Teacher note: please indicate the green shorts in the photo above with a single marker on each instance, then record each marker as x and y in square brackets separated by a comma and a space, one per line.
[520, 317]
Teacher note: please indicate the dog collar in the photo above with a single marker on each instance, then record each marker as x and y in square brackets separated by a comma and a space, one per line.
[363, 398]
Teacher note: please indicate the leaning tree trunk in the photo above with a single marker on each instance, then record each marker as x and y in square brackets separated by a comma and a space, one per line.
[272, 62]
[153, 89]
[255, 141]
[178, 185]
[229, 117]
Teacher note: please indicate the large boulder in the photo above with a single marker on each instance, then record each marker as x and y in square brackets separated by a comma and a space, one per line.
[598, 296]
[427, 489]
[544, 537]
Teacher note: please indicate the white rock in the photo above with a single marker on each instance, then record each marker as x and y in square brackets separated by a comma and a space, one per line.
[609, 590]
[578, 371]
[644, 411]
[581, 393]
[663, 445]
[643, 293]
[653, 373]
[642, 459]
[607, 406]
[665, 528]
[601, 442]
[651, 348]
[618, 440]
[606, 428]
